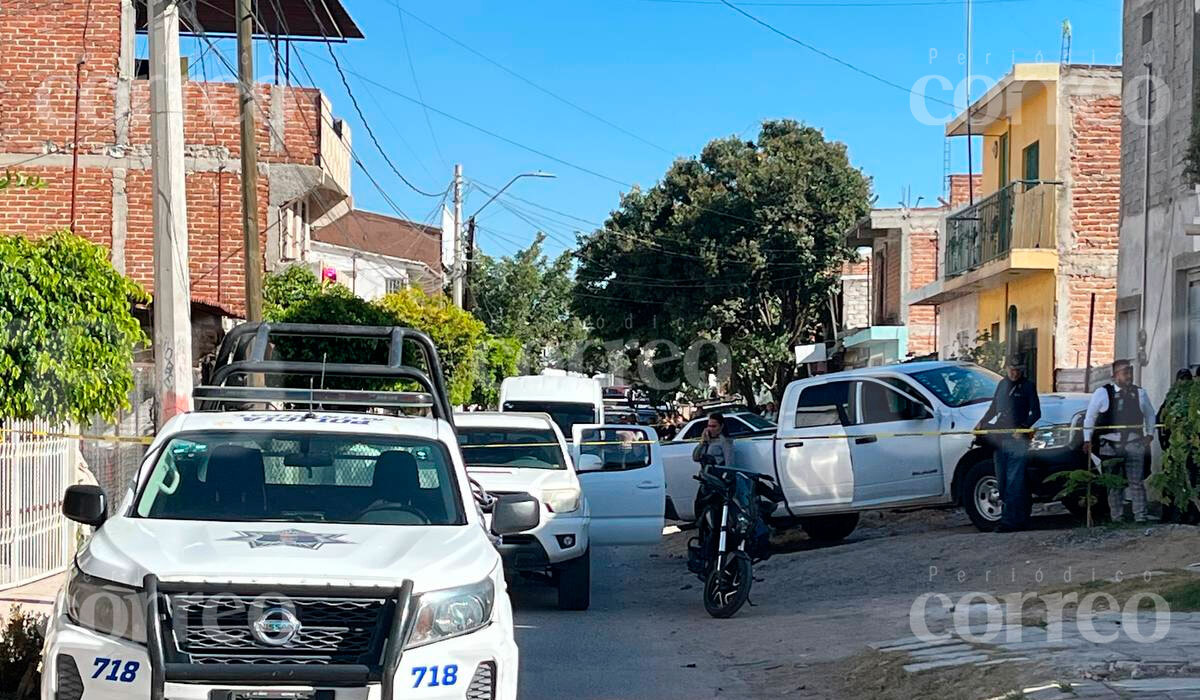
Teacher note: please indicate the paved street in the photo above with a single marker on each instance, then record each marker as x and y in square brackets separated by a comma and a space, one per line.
[628, 645]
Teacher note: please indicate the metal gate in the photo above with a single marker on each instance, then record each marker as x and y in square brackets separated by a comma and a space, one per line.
[35, 470]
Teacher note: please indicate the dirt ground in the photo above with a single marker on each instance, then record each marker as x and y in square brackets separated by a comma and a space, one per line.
[818, 608]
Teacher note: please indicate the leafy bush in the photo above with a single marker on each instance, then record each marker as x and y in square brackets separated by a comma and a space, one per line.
[295, 285]
[471, 358]
[1181, 420]
[461, 339]
[67, 334]
[20, 650]
[502, 358]
[1087, 484]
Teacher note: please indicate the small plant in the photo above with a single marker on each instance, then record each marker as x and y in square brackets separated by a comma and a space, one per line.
[1181, 420]
[987, 352]
[1083, 483]
[20, 650]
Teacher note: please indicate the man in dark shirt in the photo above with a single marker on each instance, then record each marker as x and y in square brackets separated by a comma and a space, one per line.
[1014, 406]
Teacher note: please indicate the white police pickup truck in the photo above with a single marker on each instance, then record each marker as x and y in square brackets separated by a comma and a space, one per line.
[888, 437]
[583, 502]
[309, 552]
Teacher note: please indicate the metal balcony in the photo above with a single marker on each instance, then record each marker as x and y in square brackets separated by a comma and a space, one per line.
[1018, 216]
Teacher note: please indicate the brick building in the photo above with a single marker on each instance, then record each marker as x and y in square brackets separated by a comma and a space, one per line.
[1158, 299]
[304, 151]
[899, 251]
[1022, 263]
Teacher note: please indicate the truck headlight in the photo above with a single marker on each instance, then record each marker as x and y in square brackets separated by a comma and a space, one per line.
[562, 500]
[1053, 437]
[106, 607]
[452, 612]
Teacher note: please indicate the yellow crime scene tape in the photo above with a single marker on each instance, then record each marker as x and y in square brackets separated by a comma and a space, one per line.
[148, 439]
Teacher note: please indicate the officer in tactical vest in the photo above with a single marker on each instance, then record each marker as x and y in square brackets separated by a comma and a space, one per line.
[1118, 428]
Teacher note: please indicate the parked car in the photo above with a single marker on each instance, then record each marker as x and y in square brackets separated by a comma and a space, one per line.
[512, 453]
[287, 551]
[888, 437]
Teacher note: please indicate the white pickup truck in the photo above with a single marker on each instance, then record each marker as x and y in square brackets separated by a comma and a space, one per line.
[296, 550]
[583, 504]
[836, 452]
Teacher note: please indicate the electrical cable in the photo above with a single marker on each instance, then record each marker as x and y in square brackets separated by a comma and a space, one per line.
[831, 57]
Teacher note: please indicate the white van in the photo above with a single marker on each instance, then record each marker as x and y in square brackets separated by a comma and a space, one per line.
[570, 401]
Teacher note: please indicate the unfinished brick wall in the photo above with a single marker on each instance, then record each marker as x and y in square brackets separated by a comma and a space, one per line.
[856, 295]
[42, 42]
[960, 189]
[922, 257]
[1089, 260]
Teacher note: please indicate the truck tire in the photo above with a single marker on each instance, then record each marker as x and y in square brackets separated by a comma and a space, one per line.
[981, 495]
[575, 583]
[830, 528]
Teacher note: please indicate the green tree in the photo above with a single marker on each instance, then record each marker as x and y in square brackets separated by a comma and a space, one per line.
[501, 359]
[69, 335]
[741, 246]
[461, 339]
[527, 297]
[294, 285]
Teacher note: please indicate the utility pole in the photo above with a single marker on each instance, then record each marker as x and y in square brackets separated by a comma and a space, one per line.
[251, 248]
[172, 289]
[468, 295]
[459, 269]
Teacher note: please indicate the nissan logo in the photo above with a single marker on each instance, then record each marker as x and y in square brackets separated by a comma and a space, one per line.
[275, 626]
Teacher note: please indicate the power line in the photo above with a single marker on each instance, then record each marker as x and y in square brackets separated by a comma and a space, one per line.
[363, 117]
[534, 85]
[862, 71]
[412, 69]
[487, 132]
[835, 3]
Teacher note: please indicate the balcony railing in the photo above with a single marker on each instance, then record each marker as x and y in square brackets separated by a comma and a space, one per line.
[1020, 215]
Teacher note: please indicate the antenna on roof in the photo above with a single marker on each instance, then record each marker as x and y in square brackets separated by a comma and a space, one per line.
[324, 357]
[312, 401]
[1064, 56]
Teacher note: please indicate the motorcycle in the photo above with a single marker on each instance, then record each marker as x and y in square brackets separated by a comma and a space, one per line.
[732, 534]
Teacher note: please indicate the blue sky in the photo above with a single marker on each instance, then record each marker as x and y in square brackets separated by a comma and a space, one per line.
[675, 73]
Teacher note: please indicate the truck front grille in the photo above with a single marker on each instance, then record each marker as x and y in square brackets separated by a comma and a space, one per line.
[220, 629]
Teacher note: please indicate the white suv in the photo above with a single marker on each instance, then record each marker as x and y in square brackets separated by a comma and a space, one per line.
[616, 497]
[301, 554]
[509, 453]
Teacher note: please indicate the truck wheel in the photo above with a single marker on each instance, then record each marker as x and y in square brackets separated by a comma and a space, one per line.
[830, 528]
[575, 583]
[981, 495]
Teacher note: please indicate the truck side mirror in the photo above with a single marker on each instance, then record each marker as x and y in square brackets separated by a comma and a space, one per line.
[589, 463]
[516, 513]
[86, 504]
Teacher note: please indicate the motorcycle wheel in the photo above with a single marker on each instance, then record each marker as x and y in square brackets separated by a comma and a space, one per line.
[728, 588]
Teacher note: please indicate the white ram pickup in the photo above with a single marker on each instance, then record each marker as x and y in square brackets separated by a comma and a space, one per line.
[888, 437]
[297, 553]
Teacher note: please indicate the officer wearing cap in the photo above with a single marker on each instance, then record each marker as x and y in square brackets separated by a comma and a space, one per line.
[1015, 406]
[1118, 429]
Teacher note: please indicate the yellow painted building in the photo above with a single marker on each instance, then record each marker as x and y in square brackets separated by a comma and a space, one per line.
[1011, 263]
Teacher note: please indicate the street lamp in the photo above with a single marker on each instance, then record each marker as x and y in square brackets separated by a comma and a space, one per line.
[464, 271]
[510, 184]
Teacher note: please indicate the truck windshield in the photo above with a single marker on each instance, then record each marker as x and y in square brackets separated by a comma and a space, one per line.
[512, 448]
[565, 415]
[958, 385]
[263, 476]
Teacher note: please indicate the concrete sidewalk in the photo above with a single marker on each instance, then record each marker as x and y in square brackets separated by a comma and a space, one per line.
[37, 597]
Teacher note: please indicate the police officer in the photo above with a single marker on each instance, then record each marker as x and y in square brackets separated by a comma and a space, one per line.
[1121, 419]
[1014, 406]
